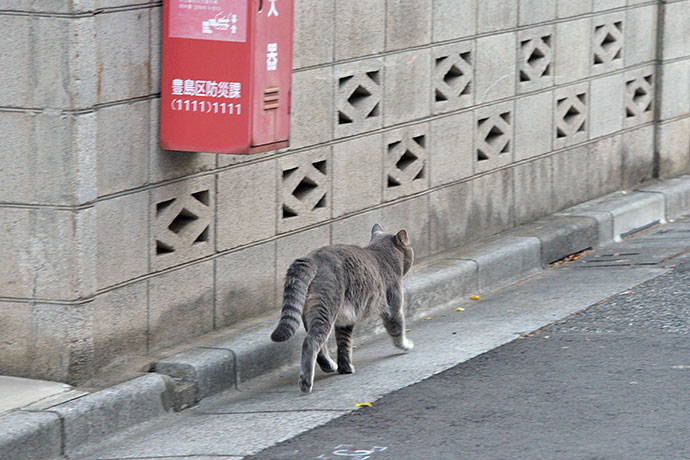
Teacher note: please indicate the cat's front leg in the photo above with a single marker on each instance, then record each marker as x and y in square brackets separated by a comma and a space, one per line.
[394, 319]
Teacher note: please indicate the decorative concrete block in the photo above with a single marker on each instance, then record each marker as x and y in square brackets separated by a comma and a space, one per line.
[313, 35]
[182, 217]
[453, 77]
[17, 335]
[570, 115]
[601, 5]
[495, 15]
[454, 19]
[640, 35]
[495, 67]
[412, 215]
[449, 212]
[675, 34]
[123, 54]
[246, 205]
[673, 145]
[493, 138]
[15, 41]
[535, 50]
[569, 8]
[533, 190]
[451, 153]
[675, 89]
[311, 107]
[638, 156]
[30, 435]
[606, 105]
[119, 324]
[304, 189]
[169, 164]
[406, 161]
[180, 305]
[605, 166]
[573, 45]
[294, 246]
[122, 142]
[245, 284]
[407, 87]
[535, 11]
[408, 23]
[358, 93]
[63, 343]
[357, 173]
[356, 229]
[533, 125]
[607, 42]
[357, 19]
[569, 178]
[122, 225]
[639, 96]
[493, 208]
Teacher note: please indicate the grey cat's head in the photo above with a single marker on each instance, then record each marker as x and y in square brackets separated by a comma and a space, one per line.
[401, 242]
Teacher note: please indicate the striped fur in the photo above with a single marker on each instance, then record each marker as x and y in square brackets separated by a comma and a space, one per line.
[299, 276]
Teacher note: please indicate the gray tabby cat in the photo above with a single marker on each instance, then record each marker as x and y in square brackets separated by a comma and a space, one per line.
[335, 286]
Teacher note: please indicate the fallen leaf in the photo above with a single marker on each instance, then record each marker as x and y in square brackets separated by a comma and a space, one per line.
[475, 297]
[459, 309]
[364, 404]
[511, 311]
[428, 318]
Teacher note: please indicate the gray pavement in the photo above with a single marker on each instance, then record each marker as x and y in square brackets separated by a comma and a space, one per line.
[546, 396]
[609, 382]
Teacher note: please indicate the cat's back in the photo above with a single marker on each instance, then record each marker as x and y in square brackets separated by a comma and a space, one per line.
[345, 257]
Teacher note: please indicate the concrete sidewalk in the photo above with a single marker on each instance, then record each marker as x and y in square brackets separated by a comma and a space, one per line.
[249, 359]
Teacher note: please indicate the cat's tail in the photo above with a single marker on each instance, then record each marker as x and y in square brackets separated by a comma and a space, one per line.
[299, 276]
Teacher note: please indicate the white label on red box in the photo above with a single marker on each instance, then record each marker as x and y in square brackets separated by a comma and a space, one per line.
[222, 20]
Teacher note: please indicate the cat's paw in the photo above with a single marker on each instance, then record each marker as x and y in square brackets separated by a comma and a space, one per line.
[406, 345]
[328, 366]
[346, 369]
[305, 384]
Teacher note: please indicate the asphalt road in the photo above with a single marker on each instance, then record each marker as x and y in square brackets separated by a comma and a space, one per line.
[611, 382]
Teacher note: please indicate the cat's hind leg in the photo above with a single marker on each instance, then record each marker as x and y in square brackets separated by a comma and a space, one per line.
[343, 337]
[394, 319]
[318, 325]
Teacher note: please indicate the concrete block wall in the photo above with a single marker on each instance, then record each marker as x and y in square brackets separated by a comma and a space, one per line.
[455, 119]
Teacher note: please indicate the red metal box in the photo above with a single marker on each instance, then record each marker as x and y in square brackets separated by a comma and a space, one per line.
[225, 75]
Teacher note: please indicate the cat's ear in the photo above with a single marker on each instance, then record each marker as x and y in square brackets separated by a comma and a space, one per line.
[376, 229]
[401, 238]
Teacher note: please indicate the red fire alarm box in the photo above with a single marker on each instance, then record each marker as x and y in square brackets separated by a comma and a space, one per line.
[226, 75]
